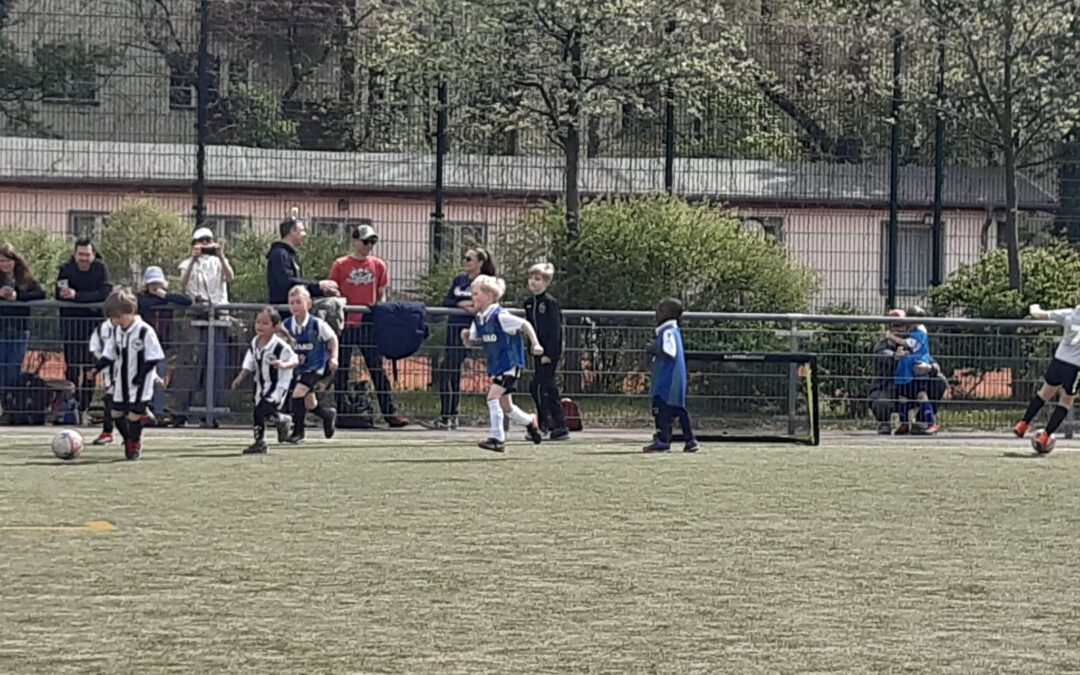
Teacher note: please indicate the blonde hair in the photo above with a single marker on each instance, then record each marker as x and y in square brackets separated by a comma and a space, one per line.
[121, 302]
[495, 285]
[300, 290]
[544, 269]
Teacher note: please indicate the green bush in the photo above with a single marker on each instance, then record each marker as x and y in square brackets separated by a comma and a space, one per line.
[142, 233]
[247, 253]
[43, 252]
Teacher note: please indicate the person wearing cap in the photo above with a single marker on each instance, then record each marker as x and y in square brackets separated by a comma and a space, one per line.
[156, 305]
[283, 269]
[363, 279]
[205, 276]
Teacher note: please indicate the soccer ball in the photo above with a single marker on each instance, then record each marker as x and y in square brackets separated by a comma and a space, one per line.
[1039, 447]
[67, 444]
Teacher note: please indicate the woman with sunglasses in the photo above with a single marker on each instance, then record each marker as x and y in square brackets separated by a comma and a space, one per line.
[477, 261]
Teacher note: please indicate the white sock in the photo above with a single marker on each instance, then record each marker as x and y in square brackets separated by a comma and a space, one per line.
[495, 411]
[519, 416]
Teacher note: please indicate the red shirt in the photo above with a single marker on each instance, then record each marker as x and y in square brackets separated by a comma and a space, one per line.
[359, 281]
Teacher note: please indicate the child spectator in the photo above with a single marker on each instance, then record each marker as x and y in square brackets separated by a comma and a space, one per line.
[914, 363]
[270, 360]
[667, 386]
[544, 315]
[131, 355]
[500, 334]
[317, 347]
[155, 308]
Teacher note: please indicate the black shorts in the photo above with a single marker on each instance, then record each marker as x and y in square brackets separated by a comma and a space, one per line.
[1064, 375]
[911, 390]
[310, 379]
[507, 381]
[120, 409]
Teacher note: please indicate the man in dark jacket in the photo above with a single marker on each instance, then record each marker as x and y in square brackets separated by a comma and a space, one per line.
[83, 279]
[283, 269]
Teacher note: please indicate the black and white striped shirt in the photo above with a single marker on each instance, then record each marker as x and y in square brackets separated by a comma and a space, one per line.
[101, 335]
[271, 383]
[130, 350]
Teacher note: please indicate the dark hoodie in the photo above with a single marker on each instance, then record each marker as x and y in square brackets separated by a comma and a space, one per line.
[91, 286]
[543, 312]
[14, 316]
[283, 271]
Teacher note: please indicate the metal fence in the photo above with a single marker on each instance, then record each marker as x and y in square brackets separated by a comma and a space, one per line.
[263, 106]
[992, 366]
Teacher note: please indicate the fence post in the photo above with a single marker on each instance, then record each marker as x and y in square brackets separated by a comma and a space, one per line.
[202, 113]
[793, 378]
[937, 232]
[442, 144]
[669, 130]
[894, 170]
[211, 344]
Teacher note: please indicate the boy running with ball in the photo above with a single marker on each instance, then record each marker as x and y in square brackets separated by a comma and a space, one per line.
[499, 332]
[1062, 377]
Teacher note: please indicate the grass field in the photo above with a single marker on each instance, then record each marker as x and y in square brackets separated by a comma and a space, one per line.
[417, 552]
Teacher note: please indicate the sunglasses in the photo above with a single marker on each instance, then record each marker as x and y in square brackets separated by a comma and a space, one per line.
[205, 240]
[370, 242]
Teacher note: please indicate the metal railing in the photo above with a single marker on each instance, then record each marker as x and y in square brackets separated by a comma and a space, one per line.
[992, 366]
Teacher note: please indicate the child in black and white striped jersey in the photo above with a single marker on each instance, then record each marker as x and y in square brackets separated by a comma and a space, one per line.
[271, 361]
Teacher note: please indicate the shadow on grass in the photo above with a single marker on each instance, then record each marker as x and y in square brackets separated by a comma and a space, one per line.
[588, 453]
[78, 462]
[1021, 455]
[212, 455]
[452, 460]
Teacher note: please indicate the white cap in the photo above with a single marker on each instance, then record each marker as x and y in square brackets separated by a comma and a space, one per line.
[154, 275]
[365, 232]
[202, 233]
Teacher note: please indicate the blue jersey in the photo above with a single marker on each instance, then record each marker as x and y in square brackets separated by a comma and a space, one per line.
[918, 345]
[668, 382]
[311, 340]
[503, 349]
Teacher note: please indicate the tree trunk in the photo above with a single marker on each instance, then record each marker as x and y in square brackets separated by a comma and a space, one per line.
[572, 155]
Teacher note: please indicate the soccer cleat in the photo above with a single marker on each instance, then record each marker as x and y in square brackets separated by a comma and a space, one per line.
[932, 430]
[534, 433]
[493, 445]
[560, 435]
[903, 429]
[691, 446]
[284, 428]
[256, 448]
[1043, 443]
[295, 440]
[884, 429]
[328, 423]
[1020, 429]
[132, 450]
[656, 446]
[397, 421]
[103, 438]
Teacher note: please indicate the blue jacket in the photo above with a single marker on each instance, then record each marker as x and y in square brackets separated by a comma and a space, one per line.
[668, 381]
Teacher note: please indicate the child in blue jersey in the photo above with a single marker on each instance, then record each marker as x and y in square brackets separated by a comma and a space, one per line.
[667, 386]
[913, 364]
[317, 347]
[499, 332]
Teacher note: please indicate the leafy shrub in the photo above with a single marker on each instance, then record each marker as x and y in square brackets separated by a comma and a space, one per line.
[140, 234]
[247, 253]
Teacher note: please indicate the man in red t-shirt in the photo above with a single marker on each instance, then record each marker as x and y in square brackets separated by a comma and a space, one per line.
[363, 279]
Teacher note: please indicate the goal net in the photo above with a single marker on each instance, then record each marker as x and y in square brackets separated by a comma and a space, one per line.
[753, 397]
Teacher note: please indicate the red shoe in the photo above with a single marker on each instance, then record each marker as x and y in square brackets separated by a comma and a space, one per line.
[903, 429]
[1020, 429]
[397, 421]
[132, 450]
[932, 430]
[103, 439]
[1043, 443]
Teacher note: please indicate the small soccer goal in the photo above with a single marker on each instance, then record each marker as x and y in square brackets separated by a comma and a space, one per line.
[753, 397]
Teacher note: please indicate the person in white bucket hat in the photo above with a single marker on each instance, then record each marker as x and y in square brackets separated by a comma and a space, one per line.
[156, 306]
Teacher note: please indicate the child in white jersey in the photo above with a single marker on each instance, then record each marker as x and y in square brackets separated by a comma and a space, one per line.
[1062, 377]
[270, 360]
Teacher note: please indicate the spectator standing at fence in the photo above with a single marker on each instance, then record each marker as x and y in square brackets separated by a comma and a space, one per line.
[283, 268]
[477, 261]
[82, 280]
[913, 367]
[543, 312]
[205, 276]
[17, 287]
[156, 305]
[882, 396]
[364, 279]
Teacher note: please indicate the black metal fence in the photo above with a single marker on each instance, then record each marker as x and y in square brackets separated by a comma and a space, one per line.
[992, 367]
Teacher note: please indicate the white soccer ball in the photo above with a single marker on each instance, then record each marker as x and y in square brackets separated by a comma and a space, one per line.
[67, 444]
[1039, 447]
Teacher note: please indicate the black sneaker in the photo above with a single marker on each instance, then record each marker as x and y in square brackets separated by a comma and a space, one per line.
[560, 435]
[284, 428]
[256, 448]
[691, 446]
[295, 440]
[534, 433]
[493, 445]
[328, 427]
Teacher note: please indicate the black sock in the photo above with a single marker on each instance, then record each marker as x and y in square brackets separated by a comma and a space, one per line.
[321, 412]
[1034, 406]
[107, 425]
[122, 426]
[135, 431]
[299, 412]
[1056, 418]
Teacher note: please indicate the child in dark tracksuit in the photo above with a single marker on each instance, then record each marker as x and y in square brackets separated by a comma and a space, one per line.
[667, 387]
[542, 311]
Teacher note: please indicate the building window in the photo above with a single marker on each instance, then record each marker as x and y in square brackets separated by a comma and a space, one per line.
[184, 80]
[227, 228]
[338, 227]
[70, 73]
[914, 258]
[767, 227]
[459, 236]
[86, 224]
